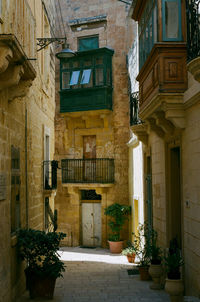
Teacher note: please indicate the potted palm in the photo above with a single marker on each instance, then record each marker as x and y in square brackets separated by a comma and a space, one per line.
[118, 215]
[173, 262]
[155, 269]
[43, 266]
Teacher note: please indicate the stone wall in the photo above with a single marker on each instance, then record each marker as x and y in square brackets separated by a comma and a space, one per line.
[25, 112]
[111, 128]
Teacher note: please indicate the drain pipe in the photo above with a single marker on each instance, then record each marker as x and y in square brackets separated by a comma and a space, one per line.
[26, 170]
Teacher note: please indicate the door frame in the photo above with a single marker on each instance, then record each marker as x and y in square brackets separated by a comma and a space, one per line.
[81, 222]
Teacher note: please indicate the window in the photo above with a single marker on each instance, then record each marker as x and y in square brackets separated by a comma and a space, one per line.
[85, 79]
[171, 11]
[147, 31]
[88, 43]
[87, 70]
[15, 189]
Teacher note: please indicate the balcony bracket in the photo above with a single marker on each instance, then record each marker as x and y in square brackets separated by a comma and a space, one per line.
[5, 57]
[141, 131]
[162, 122]
[194, 67]
[152, 126]
[175, 114]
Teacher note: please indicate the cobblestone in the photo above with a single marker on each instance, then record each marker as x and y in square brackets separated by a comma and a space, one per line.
[98, 276]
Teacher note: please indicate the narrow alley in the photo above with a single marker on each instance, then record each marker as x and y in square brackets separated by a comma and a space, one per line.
[96, 275]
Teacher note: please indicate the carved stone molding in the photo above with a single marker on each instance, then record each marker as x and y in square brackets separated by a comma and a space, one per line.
[20, 90]
[6, 55]
[176, 114]
[194, 68]
[152, 126]
[141, 131]
[11, 76]
[14, 65]
[162, 122]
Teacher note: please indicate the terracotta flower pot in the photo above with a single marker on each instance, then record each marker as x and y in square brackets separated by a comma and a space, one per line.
[116, 246]
[131, 258]
[144, 273]
[155, 271]
[175, 289]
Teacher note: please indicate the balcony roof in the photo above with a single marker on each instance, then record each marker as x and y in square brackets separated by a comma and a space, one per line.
[138, 6]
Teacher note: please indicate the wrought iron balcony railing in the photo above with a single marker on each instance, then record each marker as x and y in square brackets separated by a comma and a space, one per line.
[50, 174]
[134, 109]
[97, 170]
[193, 28]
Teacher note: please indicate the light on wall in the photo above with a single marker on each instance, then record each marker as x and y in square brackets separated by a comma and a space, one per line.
[64, 53]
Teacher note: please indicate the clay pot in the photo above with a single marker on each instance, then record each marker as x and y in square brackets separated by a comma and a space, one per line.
[131, 258]
[155, 271]
[175, 289]
[116, 246]
[144, 273]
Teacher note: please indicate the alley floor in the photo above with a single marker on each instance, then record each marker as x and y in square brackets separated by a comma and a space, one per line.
[97, 275]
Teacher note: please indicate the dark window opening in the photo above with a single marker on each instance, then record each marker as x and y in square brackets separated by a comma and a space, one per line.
[90, 195]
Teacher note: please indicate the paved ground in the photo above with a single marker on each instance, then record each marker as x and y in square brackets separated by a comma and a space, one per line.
[98, 276]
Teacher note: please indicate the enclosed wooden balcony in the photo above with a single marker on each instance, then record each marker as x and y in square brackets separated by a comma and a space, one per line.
[97, 170]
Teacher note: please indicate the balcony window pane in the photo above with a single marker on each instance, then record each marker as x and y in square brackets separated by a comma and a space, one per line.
[65, 80]
[99, 61]
[171, 20]
[74, 77]
[65, 65]
[99, 76]
[85, 79]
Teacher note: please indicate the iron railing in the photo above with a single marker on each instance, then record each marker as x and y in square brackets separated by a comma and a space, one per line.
[193, 28]
[50, 217]
[97, 170]
[50, 174]
[134, 109]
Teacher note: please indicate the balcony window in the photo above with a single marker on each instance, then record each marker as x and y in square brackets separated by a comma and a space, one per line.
[86, 72]
[171, 11]
[147, 31]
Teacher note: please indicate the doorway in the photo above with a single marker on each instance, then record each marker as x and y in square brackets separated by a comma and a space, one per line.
[91, 224]
[174, 212]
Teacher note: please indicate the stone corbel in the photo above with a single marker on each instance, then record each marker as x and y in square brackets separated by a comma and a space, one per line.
[19, 91]
[194, 68]
[152, 126]
[141, 131]
[162, 122]
[175, 114]
[6, 55]
[11, 76]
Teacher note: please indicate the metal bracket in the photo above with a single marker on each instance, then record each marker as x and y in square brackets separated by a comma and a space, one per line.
[44, 42]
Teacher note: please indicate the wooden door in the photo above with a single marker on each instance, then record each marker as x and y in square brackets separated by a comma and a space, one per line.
[89, 154]
[91, 224]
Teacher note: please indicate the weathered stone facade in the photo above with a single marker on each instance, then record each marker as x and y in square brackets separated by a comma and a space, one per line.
[171, 143]
[26, 116]
[108, 20]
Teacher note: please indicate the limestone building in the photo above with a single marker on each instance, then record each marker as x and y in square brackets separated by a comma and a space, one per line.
[169, 101]
[92, 119]
[26, 130]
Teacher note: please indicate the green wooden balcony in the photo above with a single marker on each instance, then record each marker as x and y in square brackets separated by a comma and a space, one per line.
[86, 81]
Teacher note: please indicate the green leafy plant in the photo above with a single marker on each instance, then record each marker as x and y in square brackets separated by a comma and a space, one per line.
[142, 246]
[173, 260]
[129, 251]
[40, 251]
[119, 214]
[155, 250]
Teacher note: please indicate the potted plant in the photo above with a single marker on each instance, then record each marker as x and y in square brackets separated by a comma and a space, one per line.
[130, 253]
[39, 250]
[173, 263]
[155, 269]
[142, 247]
[118, 215]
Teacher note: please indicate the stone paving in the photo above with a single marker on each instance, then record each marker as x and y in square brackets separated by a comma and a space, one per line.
[98, 276]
